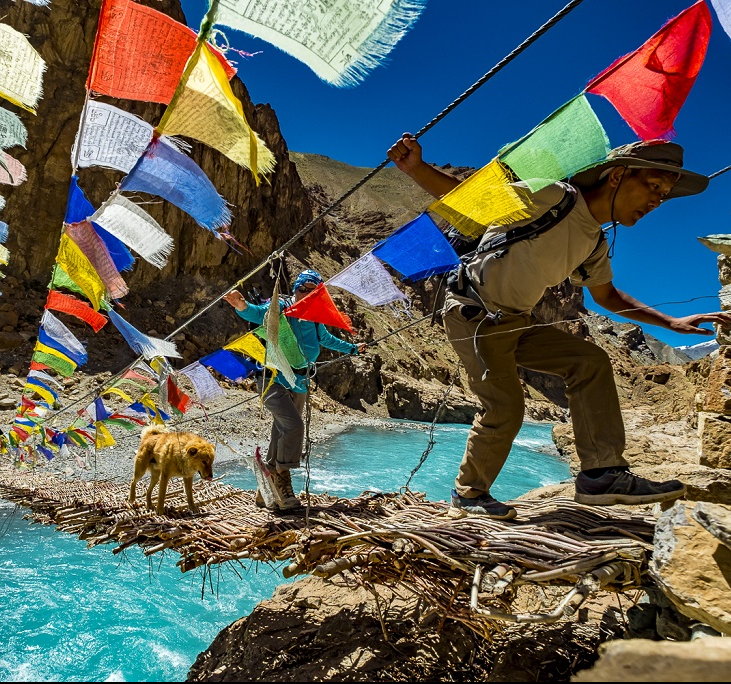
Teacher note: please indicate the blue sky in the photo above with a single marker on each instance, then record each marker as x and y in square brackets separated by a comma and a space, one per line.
[456, 42]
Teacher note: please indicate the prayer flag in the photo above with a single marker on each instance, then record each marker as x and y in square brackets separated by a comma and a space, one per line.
[136, 228]
[417, 249]
[94, 249]
[228, 364]
[42, 390]
[44, 451]
[149, 347]
[79, 209]
[62, 336]
[39, 3]
[166, 172]
[21, 69]
[287, 343]
[571, 139]
[723, 11]
[119, 393]
[140, 53]
[111, 137]
[37, 366]
[104, 438]
[248, 345]
[138, 376]
[39, 374]
[204, 383]
[4, 255]
[178, 399]
[79, 269]
[57, 301]
[3, 232]
[649, 86]
[484, 199]
[12, 130]
[340, 40]
[367, 279]
[12, 172]
[277, 361]
[205, 109]
[53, 358]
[319, 307]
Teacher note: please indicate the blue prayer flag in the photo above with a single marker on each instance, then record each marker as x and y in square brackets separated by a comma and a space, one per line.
[46, 452]
[101, 410]
[137, 407]
[164, 171]
[418, 250]
[79, 209]
[231, 365]
[3, 232]
[44, 338]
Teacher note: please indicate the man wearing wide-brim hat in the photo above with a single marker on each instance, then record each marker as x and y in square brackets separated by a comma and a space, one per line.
[488, 319]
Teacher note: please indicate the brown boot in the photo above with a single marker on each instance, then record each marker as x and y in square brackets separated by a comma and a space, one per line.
[282, 488]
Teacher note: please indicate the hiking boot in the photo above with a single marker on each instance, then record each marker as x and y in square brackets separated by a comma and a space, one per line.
[259, 501]
[622, 487]
[283, 492]
[482, 505]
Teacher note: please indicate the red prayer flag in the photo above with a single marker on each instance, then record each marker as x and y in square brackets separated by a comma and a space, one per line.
[649, 86]
[37, 365]
[319, 307]
[140, 53]
[58, 301]
[176, 397]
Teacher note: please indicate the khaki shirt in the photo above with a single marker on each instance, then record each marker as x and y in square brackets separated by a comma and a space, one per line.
[515, 282]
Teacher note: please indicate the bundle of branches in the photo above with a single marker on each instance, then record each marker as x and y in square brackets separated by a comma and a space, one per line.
[391, 539]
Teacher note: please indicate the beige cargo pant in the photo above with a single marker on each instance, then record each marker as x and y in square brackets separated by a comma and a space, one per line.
[517, 341]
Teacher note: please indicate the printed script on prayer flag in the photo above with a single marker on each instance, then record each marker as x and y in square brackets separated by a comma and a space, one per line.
[485, 199]
[12, 130]
[207, 110]
[649, 86]
[140, 53]
[367, 279]
[111, 138]
[572, 138]
[340, 40]
[21, 69]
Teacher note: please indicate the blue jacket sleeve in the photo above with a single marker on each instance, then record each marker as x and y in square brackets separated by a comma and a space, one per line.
[335, 343]
[254, 313]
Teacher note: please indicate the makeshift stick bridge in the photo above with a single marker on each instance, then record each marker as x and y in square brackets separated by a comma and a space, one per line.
[467, 568]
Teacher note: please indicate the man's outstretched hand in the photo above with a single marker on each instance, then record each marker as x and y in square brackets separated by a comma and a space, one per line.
[689, 325]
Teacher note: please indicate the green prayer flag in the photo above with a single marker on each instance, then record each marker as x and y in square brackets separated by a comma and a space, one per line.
[572, 138]
[62, 279]
[66, 368]
[287, 343]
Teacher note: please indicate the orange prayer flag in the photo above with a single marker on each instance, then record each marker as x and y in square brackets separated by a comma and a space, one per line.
[37, 365]
[319, 307]
[140, 53]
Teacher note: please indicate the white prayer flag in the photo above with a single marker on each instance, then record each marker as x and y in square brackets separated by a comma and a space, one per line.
[12, 172]
[111, 137]
[369, 280]
[59, 332]
[723, 10]
[21, 69]
[136, 228]
[340, 40]
[12, 130]
[204, 383]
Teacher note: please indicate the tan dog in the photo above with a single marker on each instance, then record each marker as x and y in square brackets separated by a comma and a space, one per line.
[171, 454]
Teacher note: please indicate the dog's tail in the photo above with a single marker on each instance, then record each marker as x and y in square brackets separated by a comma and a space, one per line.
[153, 430]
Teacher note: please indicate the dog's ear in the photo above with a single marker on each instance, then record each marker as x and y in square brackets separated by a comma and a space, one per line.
[193, 451]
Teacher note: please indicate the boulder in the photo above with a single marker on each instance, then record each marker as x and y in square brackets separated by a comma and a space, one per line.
[692, 567]
[418, 400]
[714, 431]
[643, 660]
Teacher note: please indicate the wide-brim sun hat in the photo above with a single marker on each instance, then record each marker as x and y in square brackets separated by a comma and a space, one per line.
[650, 154]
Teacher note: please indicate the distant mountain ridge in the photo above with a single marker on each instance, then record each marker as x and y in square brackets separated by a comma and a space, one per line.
[698, 351]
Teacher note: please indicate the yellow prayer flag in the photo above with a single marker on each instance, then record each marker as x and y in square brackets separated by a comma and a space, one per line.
[79, 269]
[485, 199]
[248, 344]
[119, 392]
[103, 436]
[21, 69]
[204, 108]
[41, 392]
[54, 352]
[147, 402]
[4, 255]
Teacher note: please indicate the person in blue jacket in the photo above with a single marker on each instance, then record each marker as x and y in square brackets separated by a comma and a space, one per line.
[284, 401]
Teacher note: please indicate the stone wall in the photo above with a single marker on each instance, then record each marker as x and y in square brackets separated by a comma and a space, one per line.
[714, 416]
